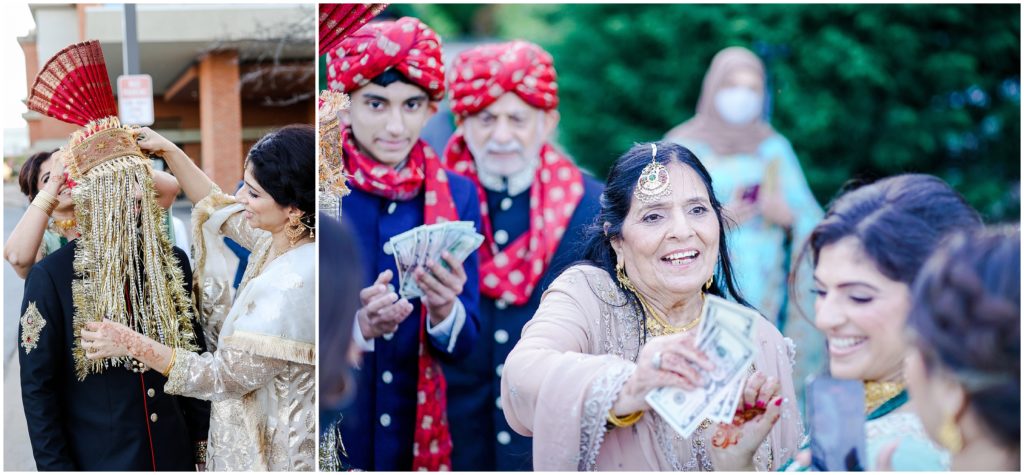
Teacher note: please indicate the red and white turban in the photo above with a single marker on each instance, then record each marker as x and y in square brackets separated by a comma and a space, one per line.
[407, 45]
[483, 74]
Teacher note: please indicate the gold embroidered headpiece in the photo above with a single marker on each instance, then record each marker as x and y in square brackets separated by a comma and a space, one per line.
[653, 183]
[331, 168]
[337, 22]
[124, 263]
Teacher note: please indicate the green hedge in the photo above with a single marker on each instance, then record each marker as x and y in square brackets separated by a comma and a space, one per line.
[860, 90]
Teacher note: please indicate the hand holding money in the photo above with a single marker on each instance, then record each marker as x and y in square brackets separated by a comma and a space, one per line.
[733, 444]
[677, 358]
[441, 286]
[726, 335]
[417, 248]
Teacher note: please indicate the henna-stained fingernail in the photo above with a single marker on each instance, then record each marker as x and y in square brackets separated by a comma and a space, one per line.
[778, 402]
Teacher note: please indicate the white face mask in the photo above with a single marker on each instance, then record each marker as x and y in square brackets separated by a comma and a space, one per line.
[738, 105]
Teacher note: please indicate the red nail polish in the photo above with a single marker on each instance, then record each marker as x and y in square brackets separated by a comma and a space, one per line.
[760, 404]
[778, 402]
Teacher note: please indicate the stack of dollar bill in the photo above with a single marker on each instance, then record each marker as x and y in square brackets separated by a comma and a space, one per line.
[423, 244]
[727, 338]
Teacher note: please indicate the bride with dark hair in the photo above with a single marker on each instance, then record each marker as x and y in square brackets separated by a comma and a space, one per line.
[259, 371]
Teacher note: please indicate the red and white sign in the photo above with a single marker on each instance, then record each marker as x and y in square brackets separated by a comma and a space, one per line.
[135, 99]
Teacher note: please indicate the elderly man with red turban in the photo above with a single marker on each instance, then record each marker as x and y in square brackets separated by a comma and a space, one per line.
[392, 70]
[535, 204]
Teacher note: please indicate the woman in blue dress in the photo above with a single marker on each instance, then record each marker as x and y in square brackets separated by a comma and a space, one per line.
[759, 180]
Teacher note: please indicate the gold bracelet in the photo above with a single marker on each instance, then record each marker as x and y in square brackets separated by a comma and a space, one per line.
[624, 421]
[45, 201]
[166, 372]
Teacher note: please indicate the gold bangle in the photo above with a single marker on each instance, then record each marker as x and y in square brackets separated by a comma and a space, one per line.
[170, 366]
[47, 194]
[624, 421]
[45, 201]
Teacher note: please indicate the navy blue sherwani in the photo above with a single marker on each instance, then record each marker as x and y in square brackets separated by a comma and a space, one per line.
[377, 427]
[481, 436]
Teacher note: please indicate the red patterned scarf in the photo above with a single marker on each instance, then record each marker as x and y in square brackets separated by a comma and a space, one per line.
[432, 441]
[512, 273]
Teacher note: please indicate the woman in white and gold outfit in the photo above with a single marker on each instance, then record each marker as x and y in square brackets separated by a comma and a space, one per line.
[260, 371]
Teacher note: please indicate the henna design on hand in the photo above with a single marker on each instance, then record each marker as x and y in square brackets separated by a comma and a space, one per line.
[726, 436]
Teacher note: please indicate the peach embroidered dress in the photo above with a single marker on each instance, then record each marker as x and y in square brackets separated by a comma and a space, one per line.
[574, 357]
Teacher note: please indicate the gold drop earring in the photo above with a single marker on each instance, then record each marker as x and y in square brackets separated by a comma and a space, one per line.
[950, 436]
[294, 230]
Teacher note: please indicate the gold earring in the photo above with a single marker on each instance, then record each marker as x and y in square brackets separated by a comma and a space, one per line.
[711, 280]
[620, 273]
[295, 229]
[950, 437]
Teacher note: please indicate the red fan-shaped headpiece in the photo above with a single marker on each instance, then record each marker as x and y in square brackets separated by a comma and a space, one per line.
[340, 20]
[73, 86]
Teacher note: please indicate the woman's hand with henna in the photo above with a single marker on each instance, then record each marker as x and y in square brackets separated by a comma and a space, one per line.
[733, 445]
[154, 143]
[107, 339]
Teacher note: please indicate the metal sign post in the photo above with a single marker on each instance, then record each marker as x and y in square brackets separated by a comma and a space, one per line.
[134, 90]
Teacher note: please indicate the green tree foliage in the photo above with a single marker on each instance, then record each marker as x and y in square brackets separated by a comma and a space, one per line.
[862, 91]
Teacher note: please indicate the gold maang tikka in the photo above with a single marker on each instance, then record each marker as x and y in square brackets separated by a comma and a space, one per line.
[653, 183]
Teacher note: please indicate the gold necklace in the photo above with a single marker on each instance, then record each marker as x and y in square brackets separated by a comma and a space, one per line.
[660, 326]
[877, 393]
[660, 323]
[64, 225]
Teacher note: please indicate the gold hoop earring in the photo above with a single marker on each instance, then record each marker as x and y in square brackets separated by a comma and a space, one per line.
[295, 229]
[950, 437]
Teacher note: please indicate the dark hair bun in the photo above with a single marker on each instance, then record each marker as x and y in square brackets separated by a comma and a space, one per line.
[967, 316]
[897, 220]
[284, 163]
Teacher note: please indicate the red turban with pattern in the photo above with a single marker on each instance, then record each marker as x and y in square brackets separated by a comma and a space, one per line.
[407, 45]
[483, 74]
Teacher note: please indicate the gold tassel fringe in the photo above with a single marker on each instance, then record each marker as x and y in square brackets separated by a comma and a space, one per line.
[126, 269]
[273, 347]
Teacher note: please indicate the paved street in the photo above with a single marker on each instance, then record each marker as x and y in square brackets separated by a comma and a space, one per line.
[17, 451]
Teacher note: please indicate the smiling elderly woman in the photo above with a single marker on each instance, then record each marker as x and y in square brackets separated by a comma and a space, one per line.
[611, 329]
